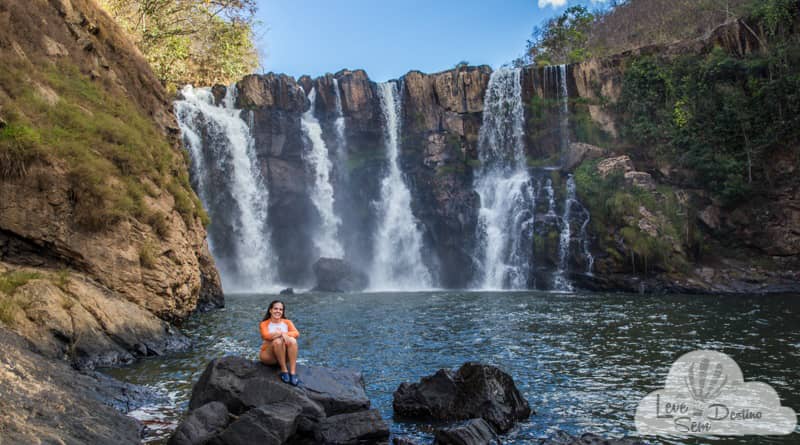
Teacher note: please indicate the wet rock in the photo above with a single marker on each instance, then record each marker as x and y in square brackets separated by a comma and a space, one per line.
[474, 391]
[353, 428]
[473, 432]
[403, 441]
[269, 424]
[287, 291]
[202, 424]
[579, 152]
[620, 164]
[336, 275]
[564, 438]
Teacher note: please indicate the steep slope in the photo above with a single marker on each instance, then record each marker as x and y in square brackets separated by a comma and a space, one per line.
[93, 188]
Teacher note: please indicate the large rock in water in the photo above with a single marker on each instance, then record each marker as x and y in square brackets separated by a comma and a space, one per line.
[335, 275]
[474, 391]
[242, 401]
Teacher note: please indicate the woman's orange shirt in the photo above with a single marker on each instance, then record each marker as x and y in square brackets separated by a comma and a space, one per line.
[288, 328]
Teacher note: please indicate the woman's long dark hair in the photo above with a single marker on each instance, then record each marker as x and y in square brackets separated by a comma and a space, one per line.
[269, 309]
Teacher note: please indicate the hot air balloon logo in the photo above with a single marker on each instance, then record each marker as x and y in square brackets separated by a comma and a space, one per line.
[705, 380]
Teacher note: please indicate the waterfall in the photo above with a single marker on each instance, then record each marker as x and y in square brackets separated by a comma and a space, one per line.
[585, 241]
[339, 122]
[397, 258]
[551, 197]
[219, 140]
[505, 219]
[564, 239]
[317, 161]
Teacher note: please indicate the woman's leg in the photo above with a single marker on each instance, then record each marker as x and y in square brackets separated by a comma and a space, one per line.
[279, 349]
[266, 355]
[291, 353]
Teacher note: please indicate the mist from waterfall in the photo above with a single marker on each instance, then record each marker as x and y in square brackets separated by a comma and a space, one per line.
[397, 257]
[505, 219]
[220, 131]
[318, 163]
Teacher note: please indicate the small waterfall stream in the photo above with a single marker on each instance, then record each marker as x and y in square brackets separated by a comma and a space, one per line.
[341, 138]
[319, 164]
[397, 258]
[560, 281]
[219, 139]
[505, 219]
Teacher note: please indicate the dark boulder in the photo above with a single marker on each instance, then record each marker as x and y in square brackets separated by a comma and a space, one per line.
[473, 432]
[564, 438]
[242, 384]
[202, 424]
[474, 391]
[336, 275]
[287, 291]
[338, 391]
[362, 427]
[329, 407]
[270, 424]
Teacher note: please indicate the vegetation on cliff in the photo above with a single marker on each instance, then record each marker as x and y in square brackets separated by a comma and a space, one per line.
[720, 114]
[706, 118]
[196, 42]
[113, 154]
[578, 33]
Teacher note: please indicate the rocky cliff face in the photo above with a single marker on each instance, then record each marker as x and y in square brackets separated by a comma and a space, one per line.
[441, 121]
[155, 256]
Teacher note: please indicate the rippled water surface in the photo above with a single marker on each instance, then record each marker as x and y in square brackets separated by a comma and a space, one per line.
[582, 361]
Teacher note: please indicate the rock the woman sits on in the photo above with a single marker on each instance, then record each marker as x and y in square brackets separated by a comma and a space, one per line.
[280, 342]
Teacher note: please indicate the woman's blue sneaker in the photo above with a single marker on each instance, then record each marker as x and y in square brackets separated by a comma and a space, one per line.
[294, 380]
[285, 378]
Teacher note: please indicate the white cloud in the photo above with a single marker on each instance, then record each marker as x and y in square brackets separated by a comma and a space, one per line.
[705, 395]
[553, 3]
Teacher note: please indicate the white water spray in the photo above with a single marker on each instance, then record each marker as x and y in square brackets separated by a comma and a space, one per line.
[397, 258]
[318, 162]
[560, 281]
[505, 219]
[226, 133]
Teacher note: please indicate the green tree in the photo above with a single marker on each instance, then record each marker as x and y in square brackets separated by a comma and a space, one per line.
[562, 39]
[191, 41]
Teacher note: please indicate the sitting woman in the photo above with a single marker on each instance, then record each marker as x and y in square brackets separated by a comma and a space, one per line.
[280, 342]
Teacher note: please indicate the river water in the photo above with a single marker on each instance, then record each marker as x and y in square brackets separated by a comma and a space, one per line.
[583, 361]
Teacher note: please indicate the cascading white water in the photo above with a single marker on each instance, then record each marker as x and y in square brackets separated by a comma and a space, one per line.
[229, 136]
[564, 111]
[560, 281]
[339, 122]
[317, 160]
[551, 197]
[397, 257]
[585, 243]
[505, 219]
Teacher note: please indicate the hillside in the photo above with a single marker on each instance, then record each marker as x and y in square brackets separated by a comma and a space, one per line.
[102, 241]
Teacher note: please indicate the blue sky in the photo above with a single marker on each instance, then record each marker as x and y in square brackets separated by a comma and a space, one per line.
[388, 39]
